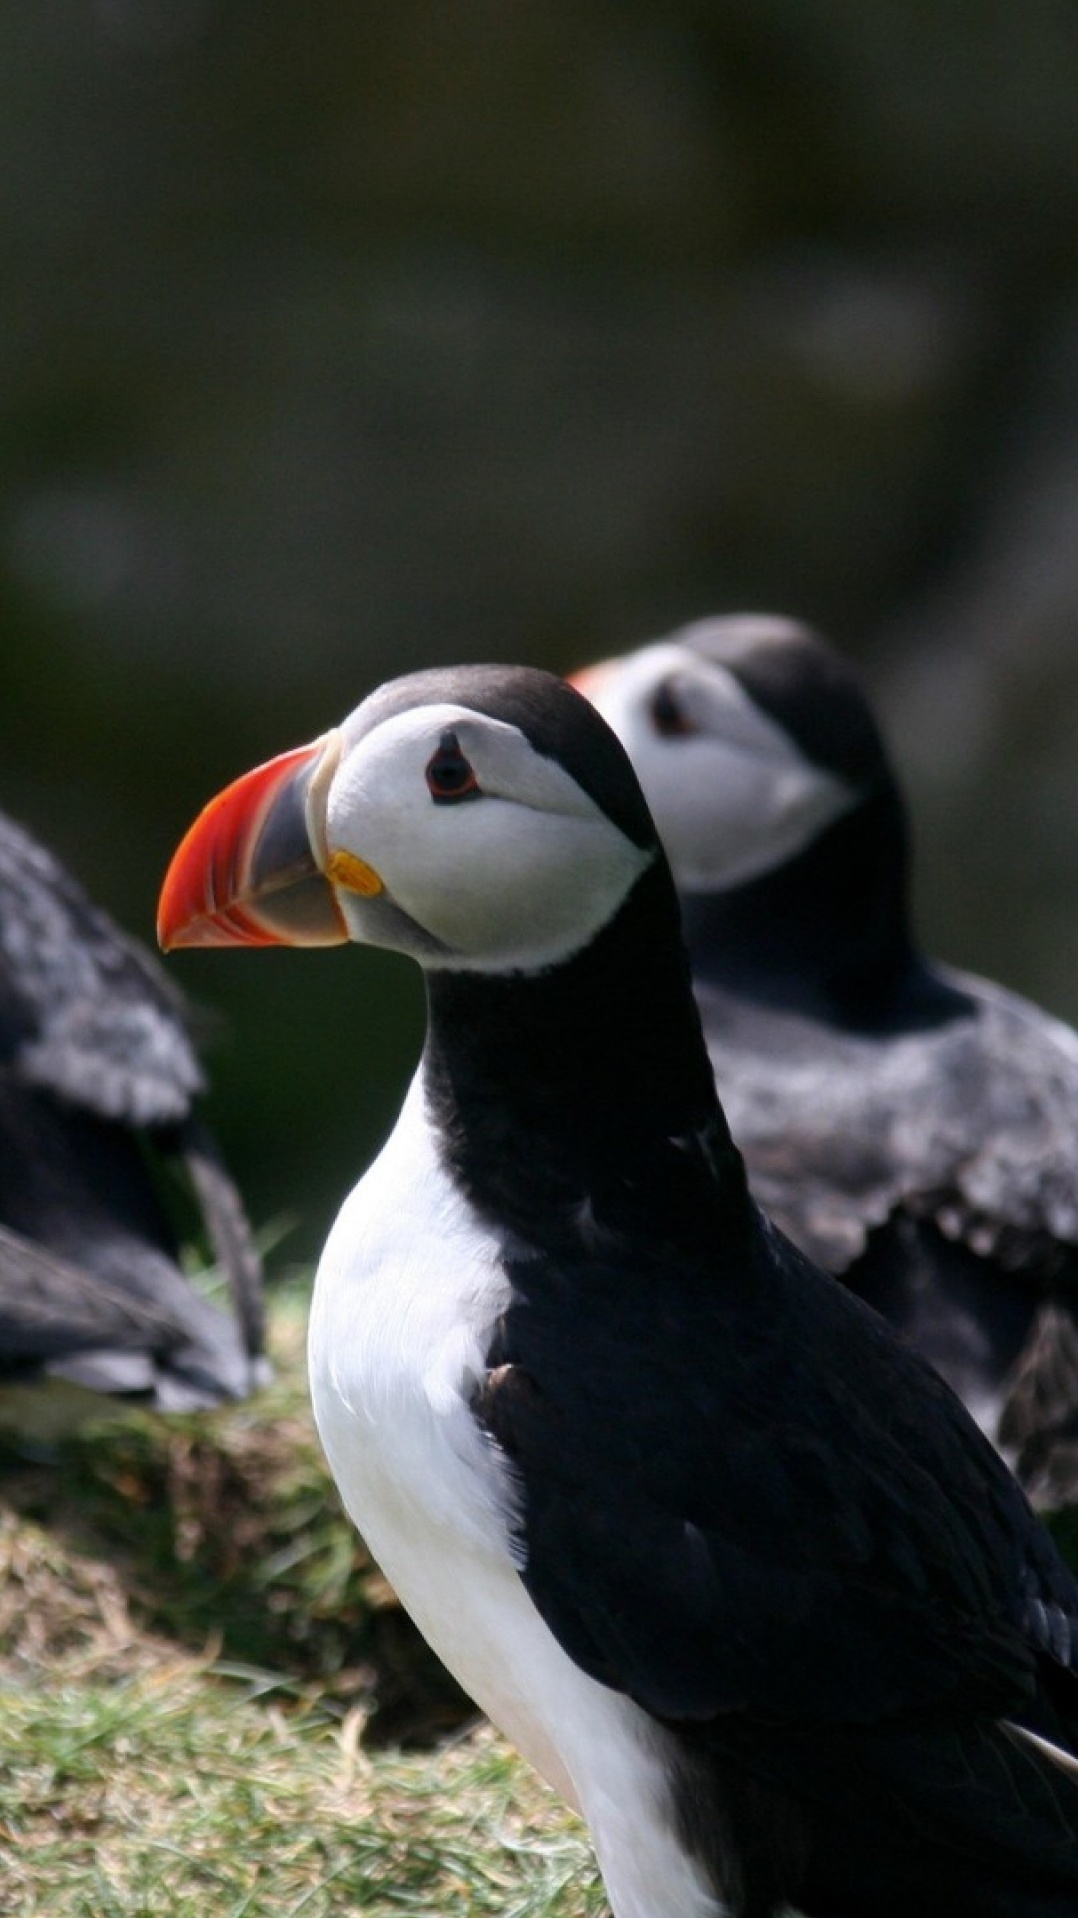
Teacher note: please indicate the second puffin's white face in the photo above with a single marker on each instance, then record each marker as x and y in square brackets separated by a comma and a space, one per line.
[449, 837]
[730, 793]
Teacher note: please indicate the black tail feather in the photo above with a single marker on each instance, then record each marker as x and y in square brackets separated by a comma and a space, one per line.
[227, 1227]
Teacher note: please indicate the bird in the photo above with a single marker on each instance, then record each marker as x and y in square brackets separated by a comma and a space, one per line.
[912, 1127]
[724, 1559]
[99, 1091]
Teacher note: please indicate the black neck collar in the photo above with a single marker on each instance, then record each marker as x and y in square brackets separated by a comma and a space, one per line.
[581, 1097]
[828, 933]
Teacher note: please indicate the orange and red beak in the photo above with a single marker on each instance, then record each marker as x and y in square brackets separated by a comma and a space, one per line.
[251, 871]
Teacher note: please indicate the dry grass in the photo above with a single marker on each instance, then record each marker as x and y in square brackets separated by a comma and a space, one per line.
[221, 1530]
[170, 1792]
[201, 1674]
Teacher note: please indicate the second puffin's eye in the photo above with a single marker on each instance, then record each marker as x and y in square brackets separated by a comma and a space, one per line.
[667, 716]
[450, 776]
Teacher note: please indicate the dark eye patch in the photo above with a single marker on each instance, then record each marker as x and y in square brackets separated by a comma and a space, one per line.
[667, 716]
[450, 775]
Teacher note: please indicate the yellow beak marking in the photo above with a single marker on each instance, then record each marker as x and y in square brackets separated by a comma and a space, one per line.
[344, 869]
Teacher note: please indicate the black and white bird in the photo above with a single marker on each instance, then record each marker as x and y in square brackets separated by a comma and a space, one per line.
[98, 1089]
[913, 1128]
[726, 1561]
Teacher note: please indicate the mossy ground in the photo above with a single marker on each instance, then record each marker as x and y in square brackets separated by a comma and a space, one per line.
[210, 1702]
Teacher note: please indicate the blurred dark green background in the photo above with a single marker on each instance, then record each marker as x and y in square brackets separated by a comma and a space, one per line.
[342, 338]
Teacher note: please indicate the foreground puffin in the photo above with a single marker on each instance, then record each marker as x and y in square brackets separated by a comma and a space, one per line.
[914, 1129]
[730, 1566]
[98, 1084]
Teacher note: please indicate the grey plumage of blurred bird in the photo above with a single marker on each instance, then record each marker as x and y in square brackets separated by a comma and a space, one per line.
[99, 1087]
[913, 1128]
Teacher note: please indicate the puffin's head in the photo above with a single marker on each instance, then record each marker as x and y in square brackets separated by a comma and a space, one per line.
[749, 736]
[478, 818]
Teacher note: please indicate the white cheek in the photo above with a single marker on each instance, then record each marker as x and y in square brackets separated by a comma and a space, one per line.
[496, 882]
[531, 889]
[732, 799]
[623, 698]
[726, 816]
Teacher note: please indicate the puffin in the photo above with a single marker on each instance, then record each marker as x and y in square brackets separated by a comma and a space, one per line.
[912, 1127]
[723, 1558]
[99, 1111]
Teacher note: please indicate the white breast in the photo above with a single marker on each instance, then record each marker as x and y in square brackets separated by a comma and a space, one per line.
[407, 1293]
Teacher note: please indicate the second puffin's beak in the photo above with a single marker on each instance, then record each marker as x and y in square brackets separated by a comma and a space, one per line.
[588, 679]
[254, 869]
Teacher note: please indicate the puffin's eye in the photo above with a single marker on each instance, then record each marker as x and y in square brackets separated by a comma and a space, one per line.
[667, 717]
[449, 775]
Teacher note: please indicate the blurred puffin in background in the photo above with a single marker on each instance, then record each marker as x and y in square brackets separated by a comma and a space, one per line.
[913, 1128]
[99, 1085]
[725, 1560]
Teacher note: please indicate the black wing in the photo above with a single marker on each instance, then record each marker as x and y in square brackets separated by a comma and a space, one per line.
[935, 1168]
[144, 1334]
[754, 1501]
[969, 1121]
[92, 1032]
[84, 1011]
[50, 1308]
[77, 1188]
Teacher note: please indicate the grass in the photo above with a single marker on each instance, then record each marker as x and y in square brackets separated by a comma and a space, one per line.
[221, 1528]
[210, 1701]
[174, 1792]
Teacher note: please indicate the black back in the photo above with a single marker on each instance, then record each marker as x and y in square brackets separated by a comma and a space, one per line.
[737, 1498]
[912, 1128]
[98, 1078]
